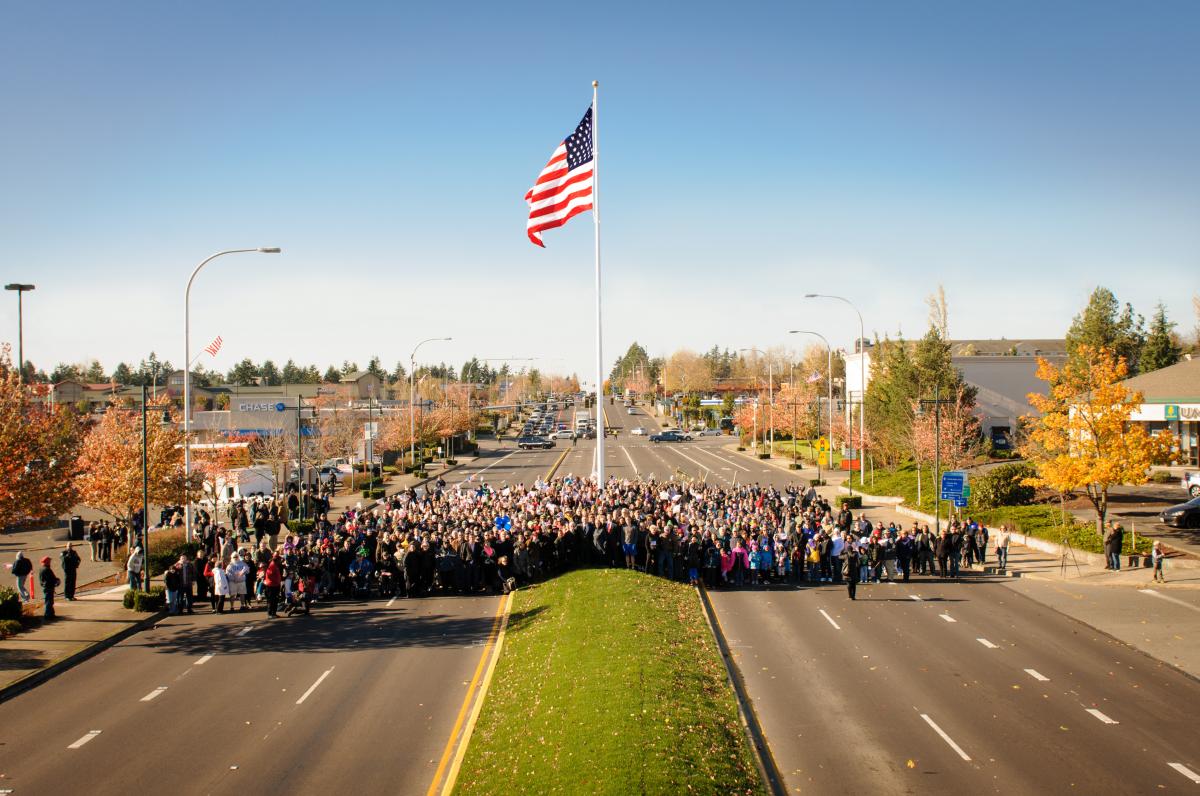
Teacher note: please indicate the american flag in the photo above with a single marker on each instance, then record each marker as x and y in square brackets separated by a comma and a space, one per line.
[564, 188]
[215, 346]
[814, 377]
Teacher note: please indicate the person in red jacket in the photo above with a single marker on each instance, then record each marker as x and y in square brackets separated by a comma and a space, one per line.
[272, 582]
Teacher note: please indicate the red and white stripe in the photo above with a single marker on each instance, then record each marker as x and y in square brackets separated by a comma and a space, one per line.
[558, 194]
[215, 346]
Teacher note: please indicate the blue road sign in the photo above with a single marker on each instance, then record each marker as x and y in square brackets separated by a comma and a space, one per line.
[954, 482]
[960, 503]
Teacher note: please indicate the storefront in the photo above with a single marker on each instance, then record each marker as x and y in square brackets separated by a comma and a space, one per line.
[1171, 402]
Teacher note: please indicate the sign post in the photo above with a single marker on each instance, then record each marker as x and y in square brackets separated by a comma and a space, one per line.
[954, 488]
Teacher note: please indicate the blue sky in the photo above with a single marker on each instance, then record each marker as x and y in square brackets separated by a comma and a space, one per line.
[1018, 153]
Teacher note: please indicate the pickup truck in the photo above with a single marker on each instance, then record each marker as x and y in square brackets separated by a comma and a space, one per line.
[529, 443]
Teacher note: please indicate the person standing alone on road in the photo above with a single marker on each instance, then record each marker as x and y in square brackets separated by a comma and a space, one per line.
[272, 583]
[70, 567]
[852, 567]
[21, 567]
[1002, 540]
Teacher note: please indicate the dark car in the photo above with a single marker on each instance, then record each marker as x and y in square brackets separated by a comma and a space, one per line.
[529, 443]
[1184, 515]
[669, 436]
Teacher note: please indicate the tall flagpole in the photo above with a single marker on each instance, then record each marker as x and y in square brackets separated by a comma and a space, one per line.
[600, 438]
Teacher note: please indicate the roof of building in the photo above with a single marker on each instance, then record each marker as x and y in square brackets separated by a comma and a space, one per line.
[1178, 383]
[1003, 347]
[356, 375]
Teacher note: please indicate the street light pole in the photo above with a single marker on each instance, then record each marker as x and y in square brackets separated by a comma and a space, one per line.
[862, 382]
[936, 403]
[187, 374]
[145, 499]
[770, 399]
[21, 290]
[829, 382]
[412, 393]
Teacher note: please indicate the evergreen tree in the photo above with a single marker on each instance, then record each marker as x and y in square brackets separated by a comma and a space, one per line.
[312, 375]
[122, 374]
[95, 372]
[292, 373]
[332, 375]
[270, 374]
[399, 373]
[1161, 349]
[65, 372]
[349, 367]
[376, 369]
[244, 373]
[1103, 324]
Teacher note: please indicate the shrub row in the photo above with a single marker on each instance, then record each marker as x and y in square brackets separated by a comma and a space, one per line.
[146, 601]
[373, 494]
[10, 627]
[10, 604]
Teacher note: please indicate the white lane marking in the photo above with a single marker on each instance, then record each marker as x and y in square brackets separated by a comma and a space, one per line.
[153, 694]
[389, 602]
[1187, 772]
[1162, 596]
[91, 734]
[493, 464]
[947, 617]
[630, 458]
[1036, 675]
[946, 737]
[1102, 717]
[313, 687]
[986, 643]
[914, 597]
[245, 630]
[722, 459]
[204, 660]
[829, 619]
[693, 461]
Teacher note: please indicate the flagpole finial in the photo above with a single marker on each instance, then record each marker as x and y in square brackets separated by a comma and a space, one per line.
[595, 84]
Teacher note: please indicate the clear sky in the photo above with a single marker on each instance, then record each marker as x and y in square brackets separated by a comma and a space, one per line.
[1020, 153]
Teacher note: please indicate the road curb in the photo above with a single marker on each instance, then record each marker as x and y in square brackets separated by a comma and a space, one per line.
[767, 769]
[469, 730]
[34, 679]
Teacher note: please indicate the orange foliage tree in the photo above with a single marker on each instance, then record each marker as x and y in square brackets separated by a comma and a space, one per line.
[110, 462]
[39, 447]
[1083, 438]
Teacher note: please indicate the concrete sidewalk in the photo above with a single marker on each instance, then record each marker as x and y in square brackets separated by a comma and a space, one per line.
[84, 627]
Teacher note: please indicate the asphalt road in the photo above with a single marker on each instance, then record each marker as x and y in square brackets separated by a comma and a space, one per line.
[236, 703]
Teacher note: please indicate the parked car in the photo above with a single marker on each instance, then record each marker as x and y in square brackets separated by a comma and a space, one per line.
[670, 436]
[1191, 482]
[711, 432]
[638, 432]
[1184, 515]
[632, 411]
[529, 443]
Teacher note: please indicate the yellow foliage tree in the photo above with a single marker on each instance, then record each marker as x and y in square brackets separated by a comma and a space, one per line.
[1083, 439]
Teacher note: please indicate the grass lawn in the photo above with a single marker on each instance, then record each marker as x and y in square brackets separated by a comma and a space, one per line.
[1042, 520]
[609, 683]
[805, 449]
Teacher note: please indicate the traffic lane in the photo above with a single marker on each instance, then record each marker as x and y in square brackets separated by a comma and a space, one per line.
[837, 719]
[412, 700]
[1087, 670]
[939, 714]
[998, 710]
[246, 701]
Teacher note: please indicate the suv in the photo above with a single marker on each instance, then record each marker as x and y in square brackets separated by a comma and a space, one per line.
[531, 442]
[669, 436]
[1191, 482]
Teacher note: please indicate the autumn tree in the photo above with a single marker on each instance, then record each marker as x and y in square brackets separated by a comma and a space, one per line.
[110, 461]
[212, 465]
[1083, 439]
[39, 448]
[948, 432]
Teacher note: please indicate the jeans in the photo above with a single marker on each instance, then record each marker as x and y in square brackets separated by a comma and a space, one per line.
[173, 601]
[1002, 557]
[135, 579]
[22, 589]
[1114, 560]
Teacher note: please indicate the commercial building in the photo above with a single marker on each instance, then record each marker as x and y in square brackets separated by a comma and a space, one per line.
[1171, 402]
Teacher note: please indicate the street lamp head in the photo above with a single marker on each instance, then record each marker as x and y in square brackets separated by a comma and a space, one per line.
[270, 249]
[19, 287]
[812, 295]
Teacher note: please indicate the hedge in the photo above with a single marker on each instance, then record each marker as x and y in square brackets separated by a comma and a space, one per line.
[373, 494]
[146, 601]
[851, 501]
[10, 627]
[300, 526]
[1004, 486]
[10, 604]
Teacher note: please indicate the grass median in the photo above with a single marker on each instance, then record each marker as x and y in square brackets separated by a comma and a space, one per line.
[609, 683]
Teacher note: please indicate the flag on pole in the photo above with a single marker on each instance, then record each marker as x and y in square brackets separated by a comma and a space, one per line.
[815, 377]
[215, 346]
[564, 188]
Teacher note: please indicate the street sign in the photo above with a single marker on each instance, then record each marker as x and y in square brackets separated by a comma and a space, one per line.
[821, 459]
[823, 444]
[954, 482]
[960, 503]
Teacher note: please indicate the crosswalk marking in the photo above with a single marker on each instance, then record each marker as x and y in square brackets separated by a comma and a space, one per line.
[1187, 772]
[947, 617]
[830, 619]
[1036, 675]
[1102, 717]
[986, 643]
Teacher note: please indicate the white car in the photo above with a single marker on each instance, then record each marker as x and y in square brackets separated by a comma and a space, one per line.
[711, 432]
[632, 411]
[639, 432]
[1191, 482]
[563, 433]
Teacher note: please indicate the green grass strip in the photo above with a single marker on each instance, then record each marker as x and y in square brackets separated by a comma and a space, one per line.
[609, 683]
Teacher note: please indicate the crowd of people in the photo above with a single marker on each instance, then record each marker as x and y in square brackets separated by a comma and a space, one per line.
[476, 537]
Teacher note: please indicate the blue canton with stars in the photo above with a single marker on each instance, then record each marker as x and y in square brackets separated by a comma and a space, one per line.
[579, 143]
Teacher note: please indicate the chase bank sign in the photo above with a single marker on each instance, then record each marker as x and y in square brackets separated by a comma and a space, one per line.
[256, 407]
